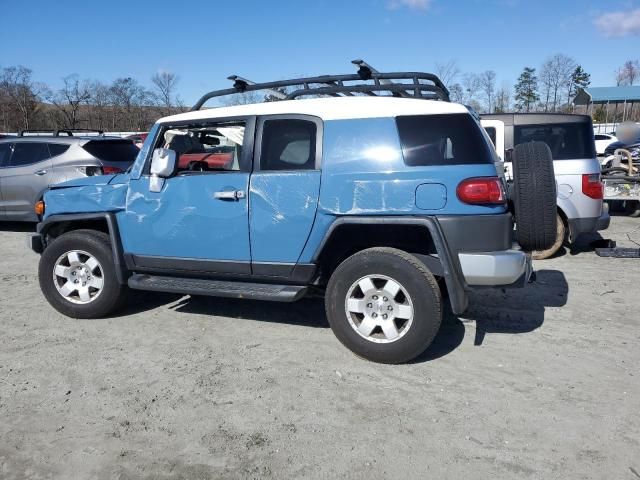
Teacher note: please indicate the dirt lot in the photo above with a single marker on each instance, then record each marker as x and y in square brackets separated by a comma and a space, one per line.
[541, 382]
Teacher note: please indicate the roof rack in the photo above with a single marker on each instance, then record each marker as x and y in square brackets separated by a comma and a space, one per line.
[56, 133]
[369, 82]
[31, 130]
[69, 131]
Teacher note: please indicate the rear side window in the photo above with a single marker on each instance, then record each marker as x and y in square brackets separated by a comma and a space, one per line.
[5, 153]
[288, 145]
[25, 153]
[112, 150]
[57, 148]
[491, 131]
[566, 140]
[452, 139]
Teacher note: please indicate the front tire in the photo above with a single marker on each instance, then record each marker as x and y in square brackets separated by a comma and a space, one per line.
[384, 305]
[77, 275]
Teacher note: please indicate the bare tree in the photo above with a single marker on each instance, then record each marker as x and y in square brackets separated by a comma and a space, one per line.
[487, 81]
[21, 92]
[165, 85]
[70, 98]
[629, 73]
[502, 99]
[471, 87]
[555, 76]
[456, 93]
[448, 72]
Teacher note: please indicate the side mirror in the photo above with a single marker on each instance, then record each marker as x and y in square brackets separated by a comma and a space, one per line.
[163, 165]
[163, 162]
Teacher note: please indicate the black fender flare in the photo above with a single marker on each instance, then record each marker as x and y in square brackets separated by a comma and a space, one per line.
[446, 264]
[114, 235]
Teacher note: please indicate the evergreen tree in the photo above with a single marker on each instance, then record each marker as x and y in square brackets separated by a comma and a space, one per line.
[579, 79]
[526, 90]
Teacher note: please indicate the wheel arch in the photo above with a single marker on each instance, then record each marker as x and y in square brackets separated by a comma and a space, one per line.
[56, 225]
[419, 236]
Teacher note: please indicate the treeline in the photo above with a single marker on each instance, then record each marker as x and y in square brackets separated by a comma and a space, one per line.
[548, 88]
[122, 105]
[126, 105]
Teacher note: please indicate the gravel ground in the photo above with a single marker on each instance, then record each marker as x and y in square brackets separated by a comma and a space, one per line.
[540, 382]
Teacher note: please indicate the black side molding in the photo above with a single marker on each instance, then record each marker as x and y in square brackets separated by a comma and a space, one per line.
[217, 288]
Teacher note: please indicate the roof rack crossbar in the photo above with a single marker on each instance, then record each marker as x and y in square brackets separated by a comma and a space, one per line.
[33, 130]
[69, 131]
[437, 86]
[365, 71]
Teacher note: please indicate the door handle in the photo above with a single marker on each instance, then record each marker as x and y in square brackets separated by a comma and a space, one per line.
[229, 195]
[40, 172]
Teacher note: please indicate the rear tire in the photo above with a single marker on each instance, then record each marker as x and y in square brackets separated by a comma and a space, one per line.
[534, 191]
[384, 305]
[561, 236]
[78, 277]
[632, 208]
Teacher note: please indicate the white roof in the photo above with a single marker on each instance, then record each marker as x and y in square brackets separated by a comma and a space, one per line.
[333, 108]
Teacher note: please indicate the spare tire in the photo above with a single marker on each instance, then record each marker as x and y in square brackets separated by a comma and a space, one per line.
[534, 196]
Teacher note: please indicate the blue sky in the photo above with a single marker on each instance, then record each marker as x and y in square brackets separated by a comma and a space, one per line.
[205, 41]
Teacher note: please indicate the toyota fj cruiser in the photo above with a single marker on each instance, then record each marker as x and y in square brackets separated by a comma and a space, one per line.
[380, 197]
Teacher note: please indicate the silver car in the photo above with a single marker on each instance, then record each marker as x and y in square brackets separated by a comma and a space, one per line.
[579, 186]
[30, 164]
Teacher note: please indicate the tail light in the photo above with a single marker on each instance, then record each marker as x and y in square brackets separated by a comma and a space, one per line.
[592, 186]
[481, 191]
[111, 170]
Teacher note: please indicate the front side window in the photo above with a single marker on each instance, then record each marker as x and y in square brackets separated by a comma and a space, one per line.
[288, 144]
[567, 140]
[25, 153]
[451, 139]
[205, 148]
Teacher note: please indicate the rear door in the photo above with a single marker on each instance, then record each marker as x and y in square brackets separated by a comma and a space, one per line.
[24, 179]
[573, 151]
[284, 190]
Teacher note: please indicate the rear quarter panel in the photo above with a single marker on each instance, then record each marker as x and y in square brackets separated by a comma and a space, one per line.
[363, 173]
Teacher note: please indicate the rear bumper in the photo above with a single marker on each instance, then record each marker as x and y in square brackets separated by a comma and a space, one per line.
[503, 268]
[579, 226]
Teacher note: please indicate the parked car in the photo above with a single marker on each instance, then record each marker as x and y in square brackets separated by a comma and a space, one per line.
[31, 164]
[603, 140]
[579, 186]
[375, 202]
[622, 179]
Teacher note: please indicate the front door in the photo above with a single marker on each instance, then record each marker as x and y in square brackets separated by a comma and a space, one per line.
[25, 176]
[199, 221]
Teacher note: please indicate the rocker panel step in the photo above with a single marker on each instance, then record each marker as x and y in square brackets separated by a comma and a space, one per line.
[217, 288]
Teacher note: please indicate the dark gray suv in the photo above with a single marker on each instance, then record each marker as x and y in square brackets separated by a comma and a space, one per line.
[31, 164]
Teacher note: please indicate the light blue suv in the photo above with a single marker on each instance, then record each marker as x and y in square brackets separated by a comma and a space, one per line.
[380, 202]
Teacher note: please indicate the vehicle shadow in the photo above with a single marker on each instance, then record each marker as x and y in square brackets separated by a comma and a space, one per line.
[587, 242]
[510, 311]
[514, 311]
[17, 227]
